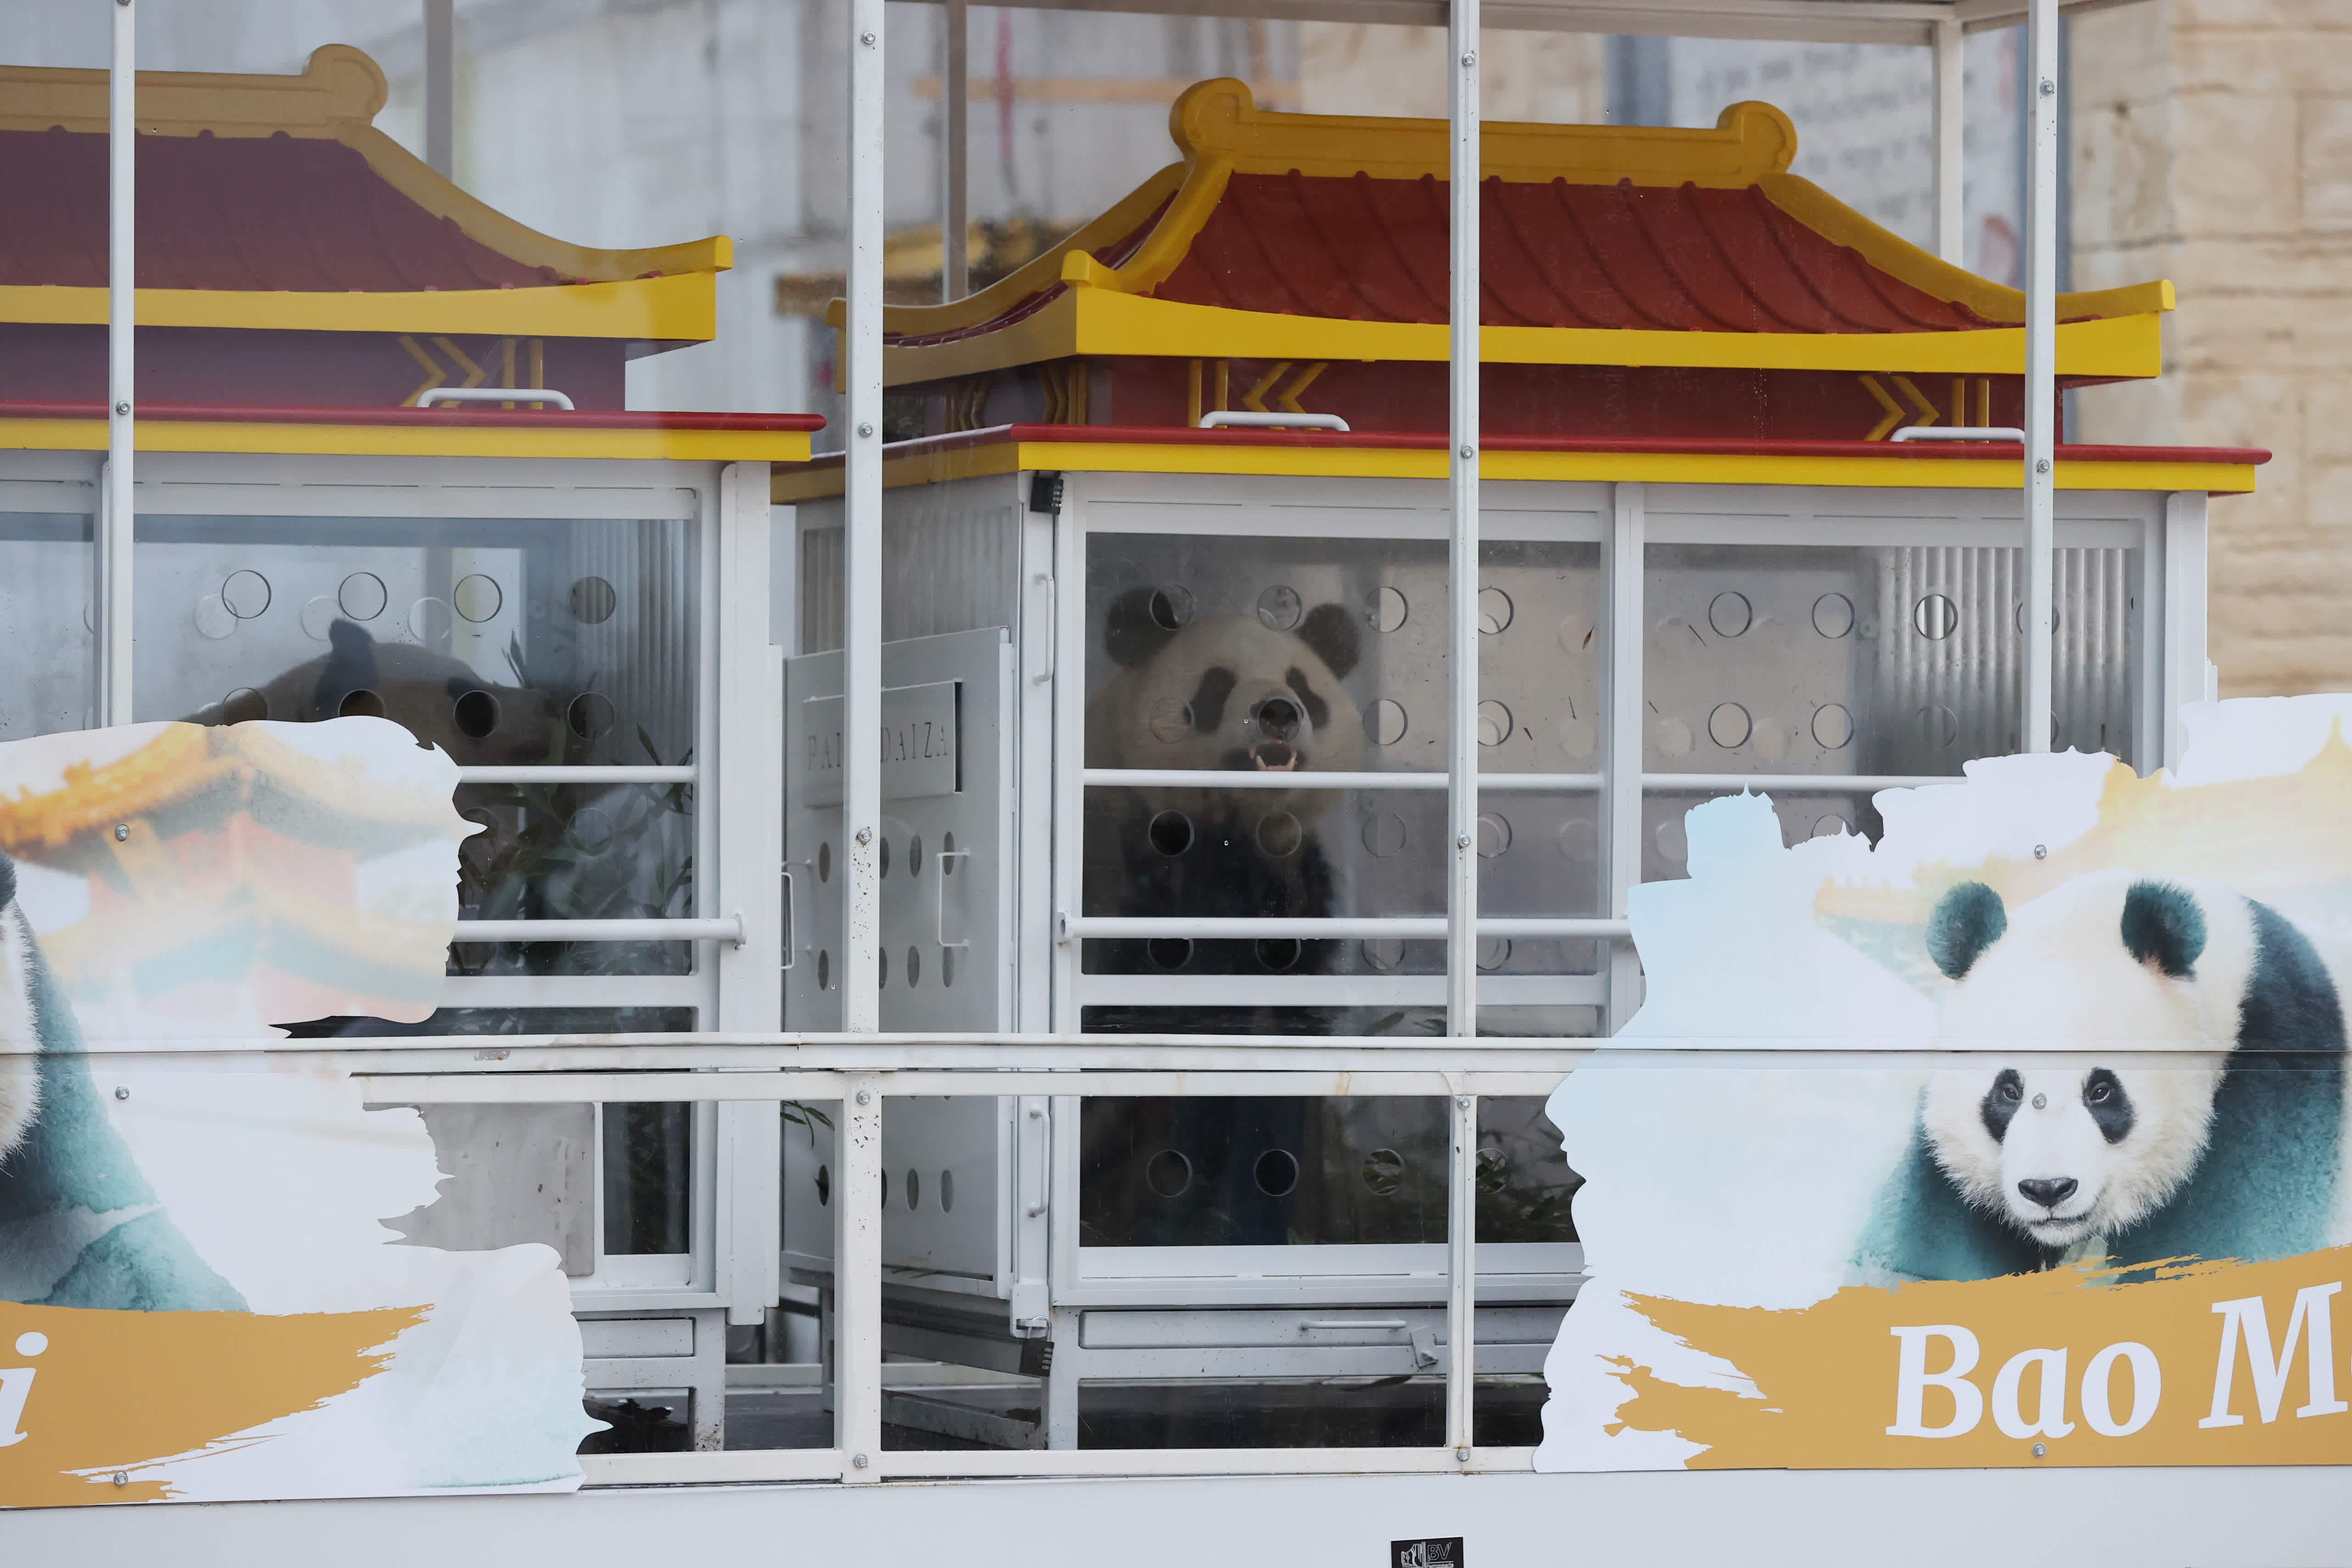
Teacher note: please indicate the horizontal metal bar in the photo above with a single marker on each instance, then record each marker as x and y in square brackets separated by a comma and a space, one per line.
[1820, 783]
[666, 774]
[1235, 778]
[1333, 990]
[723, 928]
[1199, 1461]
[1239, 420]
[1243, 927]
[695, 1088]
[432, 395]
[1960, 433]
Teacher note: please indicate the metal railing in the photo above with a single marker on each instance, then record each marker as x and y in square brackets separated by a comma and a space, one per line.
[858, 1074]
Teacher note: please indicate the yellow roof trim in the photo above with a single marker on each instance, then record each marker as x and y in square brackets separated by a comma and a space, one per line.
[454, 440]
[1220, 129]
[789, 486]
[1102, 322]
[683, 307]
[336, 98]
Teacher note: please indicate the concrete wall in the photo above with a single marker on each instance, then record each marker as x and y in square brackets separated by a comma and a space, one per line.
[2214, 146]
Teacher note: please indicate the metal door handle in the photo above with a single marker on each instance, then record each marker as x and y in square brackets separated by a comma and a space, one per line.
[940, 926]
[1311, 1324]
[792, 912]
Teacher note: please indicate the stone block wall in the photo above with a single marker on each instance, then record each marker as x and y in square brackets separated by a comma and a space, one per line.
[2212, 145]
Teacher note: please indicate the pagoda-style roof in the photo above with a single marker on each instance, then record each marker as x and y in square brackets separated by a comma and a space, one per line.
[273, 202]
[1313, 238]
[193, 777]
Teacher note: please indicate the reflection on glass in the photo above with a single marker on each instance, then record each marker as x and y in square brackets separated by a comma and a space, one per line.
[575, 851]
[648, 1177]
[1879, 659]
[499, 639]
[45, 620]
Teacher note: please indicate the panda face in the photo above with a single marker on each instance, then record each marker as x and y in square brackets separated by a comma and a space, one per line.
[2065, 1151]
[20, 1042]
[1228, 693]
[2098, 1019]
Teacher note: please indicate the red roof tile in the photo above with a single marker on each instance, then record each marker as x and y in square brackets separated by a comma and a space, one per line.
[235, 213]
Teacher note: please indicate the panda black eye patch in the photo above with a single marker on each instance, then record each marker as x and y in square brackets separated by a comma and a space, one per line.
[1209, 699]
[1319, 712]
[2001, 1100]
[2110, 1107]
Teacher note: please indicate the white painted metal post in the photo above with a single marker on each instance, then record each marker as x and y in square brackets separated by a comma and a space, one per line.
[1462, 496]
[861, 660]
[2040, 362]
[955, 161]
[1462, 1277]
[857, 1271]
[112, 591]
[441, 88]
[1620, 752]
[1951, 241]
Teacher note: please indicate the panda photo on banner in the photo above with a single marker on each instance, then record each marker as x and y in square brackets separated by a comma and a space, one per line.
[2061, 1024]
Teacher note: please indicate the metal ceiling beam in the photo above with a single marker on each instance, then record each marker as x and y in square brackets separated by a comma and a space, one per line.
[1803, 21]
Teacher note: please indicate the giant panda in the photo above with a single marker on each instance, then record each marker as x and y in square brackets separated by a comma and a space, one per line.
[79, 1226]
[1219, 693]
[2155, 1069]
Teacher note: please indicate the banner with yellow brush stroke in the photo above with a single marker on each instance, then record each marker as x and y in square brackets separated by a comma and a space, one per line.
[2015, 1138]
[200, 1295]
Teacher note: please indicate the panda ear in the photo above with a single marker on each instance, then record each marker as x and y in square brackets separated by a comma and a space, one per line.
[1132, 632]
[2163, 925]
[1331, 630]
[1969, 919]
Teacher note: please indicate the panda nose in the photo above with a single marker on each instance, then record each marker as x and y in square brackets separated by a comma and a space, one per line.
[1278, 717]
[2048, 1191]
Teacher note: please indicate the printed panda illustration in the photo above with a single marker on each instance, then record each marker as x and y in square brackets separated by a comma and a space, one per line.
[2157, 1071]
[79, 1227]
[1221, 693]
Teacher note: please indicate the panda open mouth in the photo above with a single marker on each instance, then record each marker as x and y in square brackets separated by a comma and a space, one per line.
[1274, 756]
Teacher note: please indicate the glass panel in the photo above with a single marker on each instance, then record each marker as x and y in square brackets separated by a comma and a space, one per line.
[648, 1177]
[575, 851]
[45, 617]
[505, 1021]
[499, 639]
[1873, 659]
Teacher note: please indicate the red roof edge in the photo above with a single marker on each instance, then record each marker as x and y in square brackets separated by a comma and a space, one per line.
[451, 413]
[1423, 440]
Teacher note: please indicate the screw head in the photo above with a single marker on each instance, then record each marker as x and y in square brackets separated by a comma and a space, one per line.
[121, 832]
[865, 1096]
[122, 409]
[1461, 1101]
[1461, 1456]
[2041, 851]
[866, 835]
[121, 1479]
[859, 1459]
[1462, 842]
[864, 428]
[1469, 450]
[1469, 56]
[122, 1091]
[2042, 1102]
[866, 39]
[2049, 87]
[2041, 466]
[2040, 1450]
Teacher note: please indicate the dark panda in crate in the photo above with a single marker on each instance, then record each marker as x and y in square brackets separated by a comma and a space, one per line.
[1224, 694]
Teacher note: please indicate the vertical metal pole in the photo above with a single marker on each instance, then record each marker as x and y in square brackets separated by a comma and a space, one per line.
[861, 662]
[857, 1275]
[1951, 242]
[441, 87]
[1462, 1277]
[2040, 360]
[1622, 559]
[1462, 498]
[955, 147]
[112, 590]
